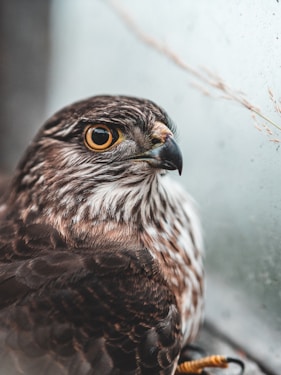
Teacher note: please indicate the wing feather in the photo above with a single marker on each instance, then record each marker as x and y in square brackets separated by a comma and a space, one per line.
[82, 311]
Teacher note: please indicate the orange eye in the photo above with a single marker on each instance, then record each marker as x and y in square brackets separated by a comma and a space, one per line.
[100, 137]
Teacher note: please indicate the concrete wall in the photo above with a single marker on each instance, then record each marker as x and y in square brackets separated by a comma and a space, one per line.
[24, 57]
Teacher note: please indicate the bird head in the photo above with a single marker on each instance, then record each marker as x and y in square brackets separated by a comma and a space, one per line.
[113, 130]
[100, 144]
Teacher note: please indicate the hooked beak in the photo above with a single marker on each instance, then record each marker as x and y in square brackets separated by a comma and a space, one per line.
[166, 155]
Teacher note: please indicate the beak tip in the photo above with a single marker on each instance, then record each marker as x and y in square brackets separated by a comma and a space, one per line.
[166, 156]
[170, 156]
[179, 164]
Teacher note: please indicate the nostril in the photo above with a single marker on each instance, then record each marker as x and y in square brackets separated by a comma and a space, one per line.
[156, 141]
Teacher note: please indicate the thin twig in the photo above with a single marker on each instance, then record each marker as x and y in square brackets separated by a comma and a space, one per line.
[204, 75]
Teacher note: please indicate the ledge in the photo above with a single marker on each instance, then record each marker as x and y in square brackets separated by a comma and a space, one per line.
[211, 341]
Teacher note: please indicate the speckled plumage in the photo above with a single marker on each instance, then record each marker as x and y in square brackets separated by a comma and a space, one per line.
[101, 254]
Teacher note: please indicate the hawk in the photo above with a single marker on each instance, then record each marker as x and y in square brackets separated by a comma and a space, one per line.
[100, 253]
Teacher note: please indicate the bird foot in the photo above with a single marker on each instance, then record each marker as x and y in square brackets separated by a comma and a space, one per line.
[197, 366]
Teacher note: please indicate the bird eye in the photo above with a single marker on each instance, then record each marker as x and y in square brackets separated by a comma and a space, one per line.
[100, 137]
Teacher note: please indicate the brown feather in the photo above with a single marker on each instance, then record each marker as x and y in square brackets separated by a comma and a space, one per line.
[100, 255]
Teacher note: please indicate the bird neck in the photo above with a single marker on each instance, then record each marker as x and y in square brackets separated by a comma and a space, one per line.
[118, 211]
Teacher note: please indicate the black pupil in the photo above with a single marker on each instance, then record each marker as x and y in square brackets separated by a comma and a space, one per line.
[100, 136]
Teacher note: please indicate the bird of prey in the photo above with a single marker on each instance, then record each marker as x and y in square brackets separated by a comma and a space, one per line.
[100, 253]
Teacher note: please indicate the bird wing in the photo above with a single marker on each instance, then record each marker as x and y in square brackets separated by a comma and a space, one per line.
[82, 311]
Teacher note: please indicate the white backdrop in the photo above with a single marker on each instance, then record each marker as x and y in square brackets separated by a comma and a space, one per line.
[231, 163]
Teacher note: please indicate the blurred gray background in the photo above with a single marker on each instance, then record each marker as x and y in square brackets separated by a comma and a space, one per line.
[53, 53]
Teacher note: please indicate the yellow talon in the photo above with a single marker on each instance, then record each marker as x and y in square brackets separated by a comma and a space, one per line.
[198, 365]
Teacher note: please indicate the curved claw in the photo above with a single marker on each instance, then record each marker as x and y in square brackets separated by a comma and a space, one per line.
[238, 362]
